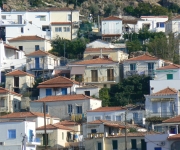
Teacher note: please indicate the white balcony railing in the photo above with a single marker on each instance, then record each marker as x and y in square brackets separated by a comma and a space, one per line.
[111, 31]
[40, 66]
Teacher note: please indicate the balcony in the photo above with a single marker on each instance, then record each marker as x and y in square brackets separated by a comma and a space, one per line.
[140, 72]
[40, 66]
[33, 141]
[95, 135]
[99, 79]
[131, 72]
[12, 22]
[111, 31]
[161, 114]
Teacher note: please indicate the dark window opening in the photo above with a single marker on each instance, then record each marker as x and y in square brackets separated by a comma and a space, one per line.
[21, 48]
[110, 74]
[87, 93]
[37, 47]
[22, 30]
[45, 28]
[94, 75]
[16, 81]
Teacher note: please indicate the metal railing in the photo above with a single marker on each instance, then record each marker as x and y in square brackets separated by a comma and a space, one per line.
[95, 135]
[99, 79]
[141, 72]
[160, 114]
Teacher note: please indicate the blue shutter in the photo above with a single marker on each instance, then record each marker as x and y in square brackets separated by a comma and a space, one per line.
[30, 135]
[37, 62]
[48, 92]
[64, 91]
[11, 134]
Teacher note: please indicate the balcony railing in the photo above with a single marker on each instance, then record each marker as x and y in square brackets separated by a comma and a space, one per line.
[131, 72]
[95, 135]
[99, 79]
[111, 31]
[12, 21]
[140, 72]
[160, 114]
[40, 66]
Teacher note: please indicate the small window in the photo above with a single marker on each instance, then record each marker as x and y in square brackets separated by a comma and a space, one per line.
[135, 116]
[44, 28]
[66, 29]
[169, 76]
[118, 118]
[42, 18]
[69, 17]
[37, 47]
[79, 109]
[114, 144]
[87, 93]
[108, 118]
[132, 67]
[2, 102]
[11, 134]
[3, 16]
[47, 109]
[70, 108]
[12, 67]
[62, 135]
[93, 131]
[48, 92]
[97, 118]
[162, 25]
[22, 30]
[21, 48]
[58, 29]
[150, 66]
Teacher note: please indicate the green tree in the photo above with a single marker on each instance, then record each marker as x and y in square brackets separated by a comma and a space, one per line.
[94, 9]
[133, 46]
[159, 10]
[104, 96]
[109, 9]
[130, 90]
[35, 3]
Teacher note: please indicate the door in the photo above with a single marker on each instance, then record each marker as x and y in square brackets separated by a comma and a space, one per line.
[37, 62]
[45, 139]
[143, 144]
[99, 146]
[94, 75]
[16, 81]
[115, 145]
[64, 91]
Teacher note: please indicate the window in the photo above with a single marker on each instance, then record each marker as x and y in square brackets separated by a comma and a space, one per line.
[87, 93]
[58, 29]
[62, 135]
[150, 66]
[66, 29]
[108, 118]
[19, 17]
[133, 143]
[132, 67]
[79, 109]
[31, 135]
[110, 74]
[45, 139]
[169, 76]
[48, 92]
[99, 145]
[64, 91]
[118, 118]
[44, 28]
[16, 81]
[97, 118]
[135, 116]
[3, 16]
[114, 144]
[69, 108]
[2, 100]
[11, 134]
[42, 18]
[21, 48]
[22, 30]
[69, 17]
[94, 75]
[12, 67]
[37, 47]
[162, 25]
[154, 107]
[93, 131]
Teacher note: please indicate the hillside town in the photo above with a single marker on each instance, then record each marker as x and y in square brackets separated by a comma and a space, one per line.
[110, 97]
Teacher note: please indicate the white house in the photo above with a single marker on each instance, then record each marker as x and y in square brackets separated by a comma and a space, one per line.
[36, 117]
[18, 135]
[57, 86]
[9, 101]
[143, 64]
[39, 60]
[63, 106]
[164, 103]
[167, 76]
[111, 28]
[152, 23]
[173, 25]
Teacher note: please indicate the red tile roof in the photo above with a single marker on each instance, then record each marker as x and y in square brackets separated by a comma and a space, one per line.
[54, 126]
[19, 73]
[10, 47]
[57, 82]
[6, 91]
[68, 123]
[27, 38]
[23, 115]
[166, 91]
[95, 61]
[112, 18]
[58, 23]
[174, 137]
[173, 119]
[111, 35]
[171, 66]
[176, 18]
[40, 53]
[106, 109]
[64, 98]
[143, 58]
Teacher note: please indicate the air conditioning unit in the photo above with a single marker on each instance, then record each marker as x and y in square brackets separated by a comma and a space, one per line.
[2, 143]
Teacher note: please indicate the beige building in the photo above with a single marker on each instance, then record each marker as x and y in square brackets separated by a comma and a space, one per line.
[100, 71]
[64, 23]
[31, 43]
[19, 81]
[9, 101]
[116, 54]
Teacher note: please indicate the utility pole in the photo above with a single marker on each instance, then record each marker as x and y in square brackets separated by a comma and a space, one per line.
[125, 130]
[64, 52]
[71, 24]
[45, 137]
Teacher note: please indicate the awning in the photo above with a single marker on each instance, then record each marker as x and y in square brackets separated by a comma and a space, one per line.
[78, 70]
[42, 131]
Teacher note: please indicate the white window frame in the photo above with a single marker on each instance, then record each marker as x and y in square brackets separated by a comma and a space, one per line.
[69, 19]
[97, 117]
[58, 29]
[42, 18]
[66, 29]
[118, 116]
[108, 119]
[71, 108]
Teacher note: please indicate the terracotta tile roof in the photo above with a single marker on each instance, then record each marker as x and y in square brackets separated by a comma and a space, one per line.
[27, 38]
[112, 18]
[143, 58]
[166, 91]
[99, 49]
[64, 98]
[176, 18]
[171, 66]
[10, 47]
[173, 119]
[68, 123]
[40, 53]
[106, 109]
[111, 35]
[95, 61]
[24, 115]
[54, 126]
[5, 91]
[57, 82]
[57, 23]
[174, 137]
[129, 21]
[19, 73]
